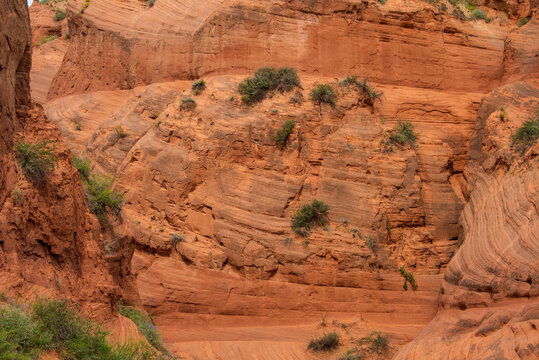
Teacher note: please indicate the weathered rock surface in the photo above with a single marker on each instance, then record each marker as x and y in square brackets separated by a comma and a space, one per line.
[189, 39]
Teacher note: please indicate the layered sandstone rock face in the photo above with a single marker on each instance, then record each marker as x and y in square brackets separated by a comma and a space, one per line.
[49, 243]
[239, 278]
[489, 304]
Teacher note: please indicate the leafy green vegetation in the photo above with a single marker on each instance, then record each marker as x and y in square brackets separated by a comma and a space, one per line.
[408, 278]
[120, 132]
[526, 135]
[352, 354]
[370, 93]
[46, 325]
[323, 93]
[188, 104]
[100, 196]
[46, 39]
[198, 87]
[59, 15]
[480, 14]
[85, 6]
[523, 21]
[176, 238]
[403, 133]
[144, 324]
[267, 79]
[309, 215]
[284, 132]
[37, 159]
[326, 342]
[83, 166]
[378, 342]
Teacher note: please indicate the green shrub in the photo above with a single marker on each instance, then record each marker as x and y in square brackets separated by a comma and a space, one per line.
[198, 87]
[100, 196]
[83, 166]
[59, 16]
[377, 342]
[471, 5]
[176, 238]
[284, 132]
[526, 135]
[46, 39]
[480, 14]
[503, 112]
[352, 354]
[403, 133]
[267, 79]
[120, 132]
[144, 324]
[310, 215]
[37, 159]
[523, 21]
[370, 93]
[323, 93]
[408, 278]
[326, 342]
[28, 332]
[188, 104]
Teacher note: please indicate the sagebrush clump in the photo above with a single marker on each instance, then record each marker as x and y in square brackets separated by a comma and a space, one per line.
[281, 137]
[326, 342]
[401, 135]
[268, 79]
[188, 104]
[526, 135]
[198, 87]
[37, 159]
[29, 331]
[323, 93]
[308, 216]
[369, 92]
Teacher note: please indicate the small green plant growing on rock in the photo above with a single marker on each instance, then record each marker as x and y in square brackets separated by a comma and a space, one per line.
[188, 104]
[198, 87]
[46, 39]
[176, 238]
[83, 166]
[523, 21]
[284, 132]
[59, 15]
[326, 342]
[144, 324]
[369, 92]
[408, 278]
[268, 79]
[323, 93]
[99, 194]
[480, 14]
[120, 132]
[403, 133]
[526, 135]
[17, 195]
[309, 215]
[37, 159]
[377, 342]
[352, 354]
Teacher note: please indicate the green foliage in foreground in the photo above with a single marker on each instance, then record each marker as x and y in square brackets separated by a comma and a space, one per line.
[310, 215]
[323, 93]
[37, 159]
[144, 324]
[47, 325]
[326, 342]
[284, 132]
[408, 278]
[255, 89]
[526, 135]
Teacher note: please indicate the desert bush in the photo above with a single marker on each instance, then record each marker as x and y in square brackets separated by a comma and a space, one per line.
[37, 159]
[267, 79]
[377, 342]
[59, 15]
[352, 354]
[526, 135]
[176, 238]
[100, 196]
[323, 93]
[503, 112]
[403, 133]
[120, 132]
[198, 87]
[370, 93]
[188, 104]
[310, 215]
[408, 278]
[326, 342]
[480, 14]
[284, 132]
[144, 324]
[523, 21]
[83, 166]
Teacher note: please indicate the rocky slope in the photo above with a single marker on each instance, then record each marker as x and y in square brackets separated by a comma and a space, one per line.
[240, 278]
